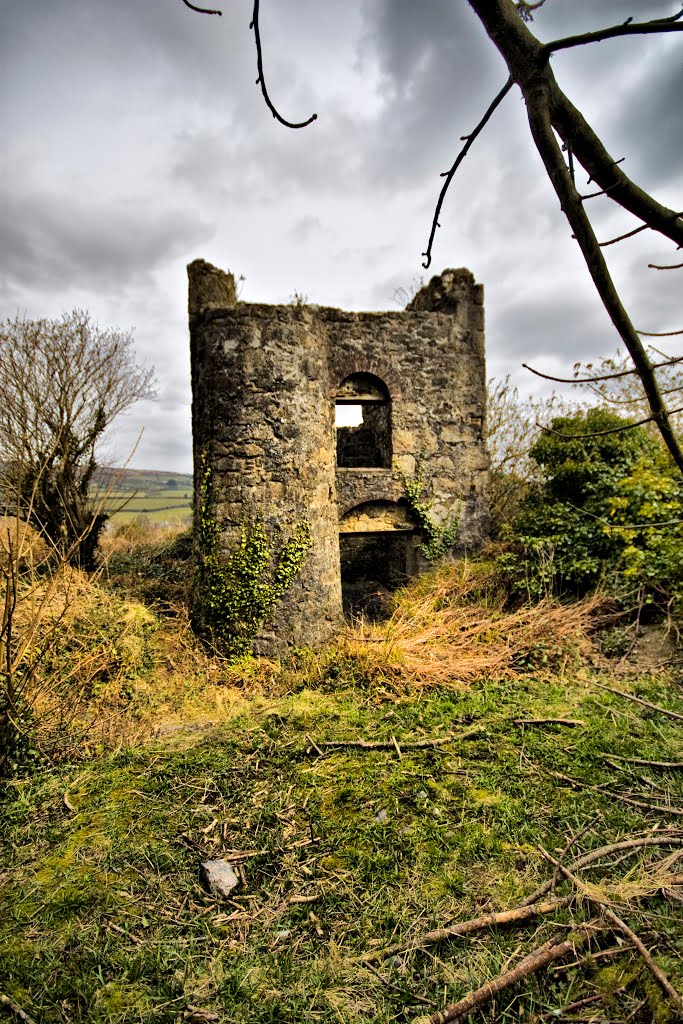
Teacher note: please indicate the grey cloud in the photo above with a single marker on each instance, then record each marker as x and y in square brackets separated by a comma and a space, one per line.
[55, 240]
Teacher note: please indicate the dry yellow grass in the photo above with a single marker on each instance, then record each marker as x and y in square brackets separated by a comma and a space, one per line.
[450, 627]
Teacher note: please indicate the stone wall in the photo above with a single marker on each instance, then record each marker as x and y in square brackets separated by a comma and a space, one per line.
[265, 380]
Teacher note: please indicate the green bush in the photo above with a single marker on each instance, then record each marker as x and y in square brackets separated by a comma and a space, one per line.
[597, 515]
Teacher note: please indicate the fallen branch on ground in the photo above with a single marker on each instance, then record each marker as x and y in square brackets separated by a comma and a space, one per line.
[391, 744]
[658, 973]
[15, 1009]
[638, 700]
[648, 764]
[659, 808]
[546, 954]
[475, 924]
[547, 721]
[673, 837]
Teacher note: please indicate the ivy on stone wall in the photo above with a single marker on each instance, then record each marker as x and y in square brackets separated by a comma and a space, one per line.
[438, 538]
[236, 593]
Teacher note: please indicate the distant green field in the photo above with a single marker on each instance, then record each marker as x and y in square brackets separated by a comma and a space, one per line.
[157, 496]
[180, 514]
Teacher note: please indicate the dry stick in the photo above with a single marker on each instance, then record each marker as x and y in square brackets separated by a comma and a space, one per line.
[573, 1006]
[15, 1009]
[666, 985]
[572, 841]
[391, 744]
[644, 804]
[475, 924]
[547, 721]
[648, 764]
[673, 838]
[639, 700]
[541, 957]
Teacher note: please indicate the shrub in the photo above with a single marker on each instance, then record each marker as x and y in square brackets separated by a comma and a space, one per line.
[597, 514]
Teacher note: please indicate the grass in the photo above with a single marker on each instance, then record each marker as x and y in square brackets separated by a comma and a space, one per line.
[103, 919]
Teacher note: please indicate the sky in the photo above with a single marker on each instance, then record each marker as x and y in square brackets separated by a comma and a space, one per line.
[136, 140]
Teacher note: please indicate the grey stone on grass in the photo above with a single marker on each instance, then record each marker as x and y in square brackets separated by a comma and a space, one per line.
[218, 876]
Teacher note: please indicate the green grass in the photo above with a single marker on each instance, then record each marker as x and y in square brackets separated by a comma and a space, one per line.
[102, 918]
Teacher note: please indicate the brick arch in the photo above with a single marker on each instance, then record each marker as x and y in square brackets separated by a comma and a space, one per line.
[373, 496]
[369, 364]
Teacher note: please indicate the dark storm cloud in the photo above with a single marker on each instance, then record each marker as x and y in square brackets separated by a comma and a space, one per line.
[652, 115]
[436, 68]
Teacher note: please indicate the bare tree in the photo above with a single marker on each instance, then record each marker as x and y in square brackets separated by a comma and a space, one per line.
[558, 128]
[62, 382]
[514, 424]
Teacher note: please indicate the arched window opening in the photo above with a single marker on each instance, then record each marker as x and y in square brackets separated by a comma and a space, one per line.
[363, 423]
[378, 545]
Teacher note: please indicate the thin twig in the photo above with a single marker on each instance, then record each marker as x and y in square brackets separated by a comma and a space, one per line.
[649, 764]
[202, 10]
[659, 334]
[572, 841]
[262, 81]
[627, 28]
[658, 973]
[397, 988]
[673, 837]
[449, 175]
[601, 377]
[665, 266]
[643, 804]
[639, 700]
[475, 924]
[405, 745]
[16, 1009]
[547, 721]
[610, 430]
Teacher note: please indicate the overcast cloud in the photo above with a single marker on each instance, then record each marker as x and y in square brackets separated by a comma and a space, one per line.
[136, 141]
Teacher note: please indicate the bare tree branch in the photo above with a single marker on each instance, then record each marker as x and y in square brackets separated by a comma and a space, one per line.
[261, 79]
[538, 108]
[628, 28]
[666, 266]
[202, 10]
[660, 334]
[449, 175]
[601, 433]
[603, 376]
[627, 234]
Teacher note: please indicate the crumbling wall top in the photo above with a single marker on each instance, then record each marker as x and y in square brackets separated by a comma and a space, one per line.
[209, 288]
[444, 292]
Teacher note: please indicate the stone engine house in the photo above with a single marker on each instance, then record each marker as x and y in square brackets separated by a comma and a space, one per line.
[270, 384]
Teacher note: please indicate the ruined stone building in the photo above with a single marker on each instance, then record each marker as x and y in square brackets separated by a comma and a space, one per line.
[267, 384]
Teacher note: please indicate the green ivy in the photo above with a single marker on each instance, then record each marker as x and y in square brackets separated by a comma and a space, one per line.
[237, 593]
[438, 539]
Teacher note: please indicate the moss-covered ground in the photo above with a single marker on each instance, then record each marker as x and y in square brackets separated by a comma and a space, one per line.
[339, 852]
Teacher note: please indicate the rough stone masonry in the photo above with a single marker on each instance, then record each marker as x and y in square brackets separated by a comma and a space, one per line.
[268, 383]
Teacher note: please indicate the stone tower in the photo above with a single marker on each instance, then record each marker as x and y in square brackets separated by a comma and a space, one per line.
[267, 384]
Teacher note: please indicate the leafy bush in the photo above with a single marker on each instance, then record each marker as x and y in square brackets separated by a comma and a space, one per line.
[608, 510]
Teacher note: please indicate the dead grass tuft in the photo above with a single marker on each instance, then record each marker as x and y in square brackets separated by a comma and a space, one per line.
[450, 627]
